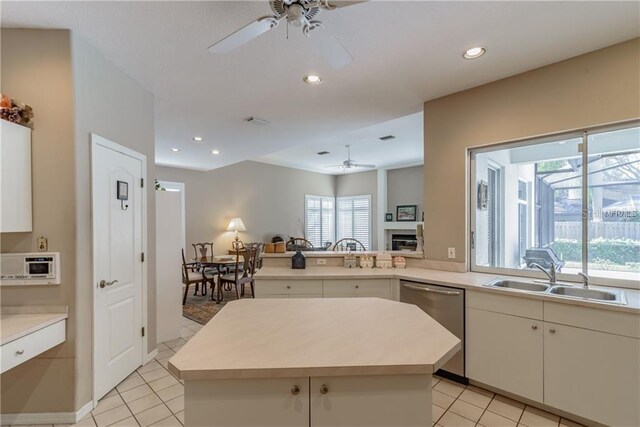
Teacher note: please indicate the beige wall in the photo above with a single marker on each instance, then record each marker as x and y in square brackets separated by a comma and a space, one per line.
[593, 89]
[405, 186]
[74, 91]
[269, 199]
[111, 104]
[36, 68]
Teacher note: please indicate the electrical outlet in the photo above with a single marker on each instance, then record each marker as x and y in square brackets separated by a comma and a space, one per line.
[452, 253]
[321, 261]
[42, 244]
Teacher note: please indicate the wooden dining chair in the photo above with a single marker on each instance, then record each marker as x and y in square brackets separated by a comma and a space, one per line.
[202, 250]
[299, 243]
[254, 253]
[349, 244]
[193, 274]
[239, 276]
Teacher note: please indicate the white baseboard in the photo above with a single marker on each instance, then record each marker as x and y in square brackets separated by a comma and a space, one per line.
[151, 356]
[47, 417]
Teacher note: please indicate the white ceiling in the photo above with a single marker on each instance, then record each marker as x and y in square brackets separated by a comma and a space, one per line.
[405, 52]
[366, 148]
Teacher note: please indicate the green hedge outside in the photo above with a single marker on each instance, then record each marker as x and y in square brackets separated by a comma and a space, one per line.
[616, 251]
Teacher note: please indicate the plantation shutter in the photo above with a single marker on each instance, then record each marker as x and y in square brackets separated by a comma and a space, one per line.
[354, 218]
[319, 219]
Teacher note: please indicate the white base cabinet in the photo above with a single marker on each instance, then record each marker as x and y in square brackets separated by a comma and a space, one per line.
[592, 374]
[583, 361]
[338, 288]
[506, 352]
[355, 401]
[15, 177]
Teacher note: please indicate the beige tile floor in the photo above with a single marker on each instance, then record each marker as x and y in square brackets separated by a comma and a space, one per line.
[151, 396]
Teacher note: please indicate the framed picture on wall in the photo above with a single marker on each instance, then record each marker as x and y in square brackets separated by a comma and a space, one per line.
[406, 212]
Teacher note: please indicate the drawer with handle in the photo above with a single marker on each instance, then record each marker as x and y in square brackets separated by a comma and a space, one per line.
[29, 346]
[288, 287]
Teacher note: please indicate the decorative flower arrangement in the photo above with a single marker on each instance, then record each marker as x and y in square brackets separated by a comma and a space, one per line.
[15, 111]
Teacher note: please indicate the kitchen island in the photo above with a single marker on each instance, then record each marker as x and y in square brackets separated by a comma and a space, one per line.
[320, 362]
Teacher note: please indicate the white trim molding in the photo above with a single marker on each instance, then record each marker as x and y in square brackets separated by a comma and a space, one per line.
[47, 417]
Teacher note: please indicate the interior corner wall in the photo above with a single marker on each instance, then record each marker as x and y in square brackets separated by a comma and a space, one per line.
[405, 186]
[111, 104]
[268, 198]
[596, 88]
[36, 69]
[357, 184]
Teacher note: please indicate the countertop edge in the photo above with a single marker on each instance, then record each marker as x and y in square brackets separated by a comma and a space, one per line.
[36, 327]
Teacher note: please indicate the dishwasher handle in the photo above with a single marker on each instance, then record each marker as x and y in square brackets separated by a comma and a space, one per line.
[429, 290]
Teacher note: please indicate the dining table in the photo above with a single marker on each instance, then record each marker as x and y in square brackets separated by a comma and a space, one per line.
[218, 262]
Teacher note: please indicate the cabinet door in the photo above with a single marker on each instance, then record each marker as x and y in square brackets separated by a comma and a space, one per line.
[506, 352]
[381, 400]
[592, 374]
[15, 177]
[247, 402]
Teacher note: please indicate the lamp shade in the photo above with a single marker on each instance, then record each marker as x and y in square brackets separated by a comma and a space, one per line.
[236, 224]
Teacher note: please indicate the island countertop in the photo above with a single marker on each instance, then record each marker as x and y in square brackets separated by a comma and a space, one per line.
[283, 338]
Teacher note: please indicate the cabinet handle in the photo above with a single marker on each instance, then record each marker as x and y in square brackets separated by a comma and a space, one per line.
[534, 327]
[357, 286]
[295, 390]
[288, 287]
[553, 331]
[324, 389]
[20, 352]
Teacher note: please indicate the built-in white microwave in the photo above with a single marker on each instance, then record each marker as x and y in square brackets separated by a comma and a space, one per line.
[36, 268]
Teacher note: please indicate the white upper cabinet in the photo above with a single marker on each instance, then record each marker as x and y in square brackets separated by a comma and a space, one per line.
[15, 177]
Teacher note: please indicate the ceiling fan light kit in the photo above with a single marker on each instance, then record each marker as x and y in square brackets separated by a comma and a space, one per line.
[299, 14]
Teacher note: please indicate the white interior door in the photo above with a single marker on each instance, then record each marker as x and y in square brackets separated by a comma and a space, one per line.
[118, 275]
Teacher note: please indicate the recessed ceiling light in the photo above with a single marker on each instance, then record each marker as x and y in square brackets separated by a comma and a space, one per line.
[312, 79]
[474, 52]
[215, 152]
[175, 150]
[198, 138]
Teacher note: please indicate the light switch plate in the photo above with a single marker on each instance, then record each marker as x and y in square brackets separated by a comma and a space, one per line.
[452, 253]
[43, 245]
[321, 261]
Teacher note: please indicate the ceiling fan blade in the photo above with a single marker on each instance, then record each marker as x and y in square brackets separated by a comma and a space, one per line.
[333, 166]
[336, 4]
[364, 166]
[244, 34]
[330, 48]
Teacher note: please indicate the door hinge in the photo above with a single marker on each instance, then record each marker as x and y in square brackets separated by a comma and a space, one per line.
[142, 182]
[142, 257]
[143, 331]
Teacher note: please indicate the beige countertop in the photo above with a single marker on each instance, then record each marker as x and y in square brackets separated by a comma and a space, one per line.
[275, 338]
[468, 280]
[16, 324]
[341, 254]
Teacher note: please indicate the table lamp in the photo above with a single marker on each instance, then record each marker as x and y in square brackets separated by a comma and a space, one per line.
[236, 225]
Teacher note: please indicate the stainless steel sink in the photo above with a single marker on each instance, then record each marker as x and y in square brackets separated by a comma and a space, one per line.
[520, 286]
[614, 296]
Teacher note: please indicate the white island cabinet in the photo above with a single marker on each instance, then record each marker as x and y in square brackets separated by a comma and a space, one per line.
[313, 362]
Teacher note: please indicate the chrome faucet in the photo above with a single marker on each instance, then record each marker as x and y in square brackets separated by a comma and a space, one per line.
[551, 273]
[585, 279]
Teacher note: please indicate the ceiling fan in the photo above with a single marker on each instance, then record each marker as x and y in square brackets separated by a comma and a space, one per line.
[298, 13]
[349, 163]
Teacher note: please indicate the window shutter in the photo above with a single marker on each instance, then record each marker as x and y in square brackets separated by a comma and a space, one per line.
[319, 219]
[354, 219]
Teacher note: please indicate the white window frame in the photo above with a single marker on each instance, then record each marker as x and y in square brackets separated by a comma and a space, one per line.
[368, 197]
[471, 205]
[306, 216]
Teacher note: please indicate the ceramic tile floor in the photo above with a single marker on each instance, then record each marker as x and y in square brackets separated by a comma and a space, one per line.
[151, 396]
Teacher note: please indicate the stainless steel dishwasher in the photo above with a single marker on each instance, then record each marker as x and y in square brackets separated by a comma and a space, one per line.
[446, 306]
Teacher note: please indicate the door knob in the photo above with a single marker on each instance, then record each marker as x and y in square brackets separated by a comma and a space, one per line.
[104, 283]
[295, 390]
[324, 389]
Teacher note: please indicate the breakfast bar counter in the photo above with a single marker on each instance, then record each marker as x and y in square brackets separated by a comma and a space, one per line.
[326, 361]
